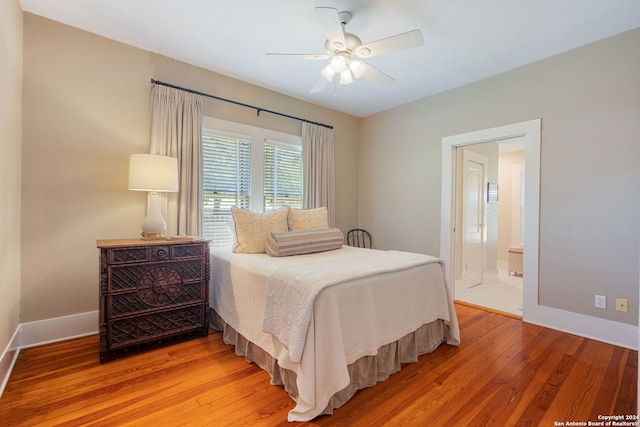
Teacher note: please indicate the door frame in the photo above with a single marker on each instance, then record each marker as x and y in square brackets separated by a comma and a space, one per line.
[530, 132]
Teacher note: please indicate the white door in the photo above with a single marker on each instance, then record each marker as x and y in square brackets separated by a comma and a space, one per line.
[473, 228]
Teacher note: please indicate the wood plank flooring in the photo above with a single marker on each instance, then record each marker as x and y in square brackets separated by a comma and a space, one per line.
[505, 373]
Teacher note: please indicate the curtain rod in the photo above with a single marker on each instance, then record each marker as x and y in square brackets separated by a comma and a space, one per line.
[258, 109]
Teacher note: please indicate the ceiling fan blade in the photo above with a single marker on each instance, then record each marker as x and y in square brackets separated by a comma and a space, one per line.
[391, 44]
[330, 22]
[371, 73]
[300, 55]
[320, 85]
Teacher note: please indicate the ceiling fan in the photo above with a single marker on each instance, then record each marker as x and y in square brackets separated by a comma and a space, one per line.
[347, 52]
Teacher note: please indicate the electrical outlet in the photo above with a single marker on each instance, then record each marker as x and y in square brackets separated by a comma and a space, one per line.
[622, 304]
[601, 301]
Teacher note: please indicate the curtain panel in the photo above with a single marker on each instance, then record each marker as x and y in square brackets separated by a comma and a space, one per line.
[318, 169]
[176, 131]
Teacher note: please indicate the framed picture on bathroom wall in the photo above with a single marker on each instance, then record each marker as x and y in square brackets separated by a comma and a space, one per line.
[492, 192]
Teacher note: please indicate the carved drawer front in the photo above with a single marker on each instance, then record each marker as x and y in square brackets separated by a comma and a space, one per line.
[155, 253]
[148, 298]
[187, 251]
[153, 326]
[127, 255]
[135, 276]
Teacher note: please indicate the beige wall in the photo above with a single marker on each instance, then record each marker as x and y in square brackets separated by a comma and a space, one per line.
[86, 109]
[10, 146]
[589, 102]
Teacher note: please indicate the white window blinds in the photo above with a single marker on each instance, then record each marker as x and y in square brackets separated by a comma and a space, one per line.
[282, 176]
[226, 183]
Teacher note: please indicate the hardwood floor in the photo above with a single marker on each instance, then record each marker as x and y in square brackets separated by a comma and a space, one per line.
[505, 373]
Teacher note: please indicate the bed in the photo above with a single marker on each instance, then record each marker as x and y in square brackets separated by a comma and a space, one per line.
[362, 324]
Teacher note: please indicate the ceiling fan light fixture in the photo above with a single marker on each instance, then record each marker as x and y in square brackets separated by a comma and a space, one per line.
[327, 73]
[339, 63]
[345, 77]
[357, 68]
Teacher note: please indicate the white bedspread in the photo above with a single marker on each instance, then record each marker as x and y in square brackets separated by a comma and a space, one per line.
[348, 321]
[292, 290]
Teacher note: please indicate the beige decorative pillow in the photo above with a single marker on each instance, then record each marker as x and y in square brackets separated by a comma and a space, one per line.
[303, 242]
[308, 219]
[253, 228]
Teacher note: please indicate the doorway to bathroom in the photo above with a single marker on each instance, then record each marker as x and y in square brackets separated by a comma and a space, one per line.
[530, 132]
[489, 216]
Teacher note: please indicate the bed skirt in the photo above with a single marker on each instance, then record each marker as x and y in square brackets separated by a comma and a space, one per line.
[364, 372]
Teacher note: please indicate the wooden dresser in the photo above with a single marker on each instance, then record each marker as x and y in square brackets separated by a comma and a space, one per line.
[151, 292]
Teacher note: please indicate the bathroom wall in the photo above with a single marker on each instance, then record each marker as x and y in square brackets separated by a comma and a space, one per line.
[508, 205]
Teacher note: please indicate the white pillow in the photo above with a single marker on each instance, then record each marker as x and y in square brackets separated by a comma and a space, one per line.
[251, 228]
[308, 219]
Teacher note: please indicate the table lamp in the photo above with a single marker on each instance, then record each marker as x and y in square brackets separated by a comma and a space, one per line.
[153, 173]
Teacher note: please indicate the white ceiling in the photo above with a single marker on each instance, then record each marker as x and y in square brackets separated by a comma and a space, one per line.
[465, 40]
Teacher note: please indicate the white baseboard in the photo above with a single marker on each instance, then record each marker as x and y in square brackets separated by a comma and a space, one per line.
[8, 359]
[608, 331]
[42, 332]
[46, 331]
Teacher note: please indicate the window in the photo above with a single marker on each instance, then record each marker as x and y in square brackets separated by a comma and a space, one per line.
[247, 167]
[282, 176]
[226, 182]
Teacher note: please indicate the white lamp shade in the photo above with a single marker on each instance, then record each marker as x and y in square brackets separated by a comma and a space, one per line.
[345, 77]
[357, 67]
[327, 73]
[339, 63]
[151, 172]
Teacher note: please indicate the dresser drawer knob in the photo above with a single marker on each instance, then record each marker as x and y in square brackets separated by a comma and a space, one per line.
[160, 252]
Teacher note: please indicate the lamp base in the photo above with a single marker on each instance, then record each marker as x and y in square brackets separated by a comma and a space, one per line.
[153, 225]
[153, 236]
